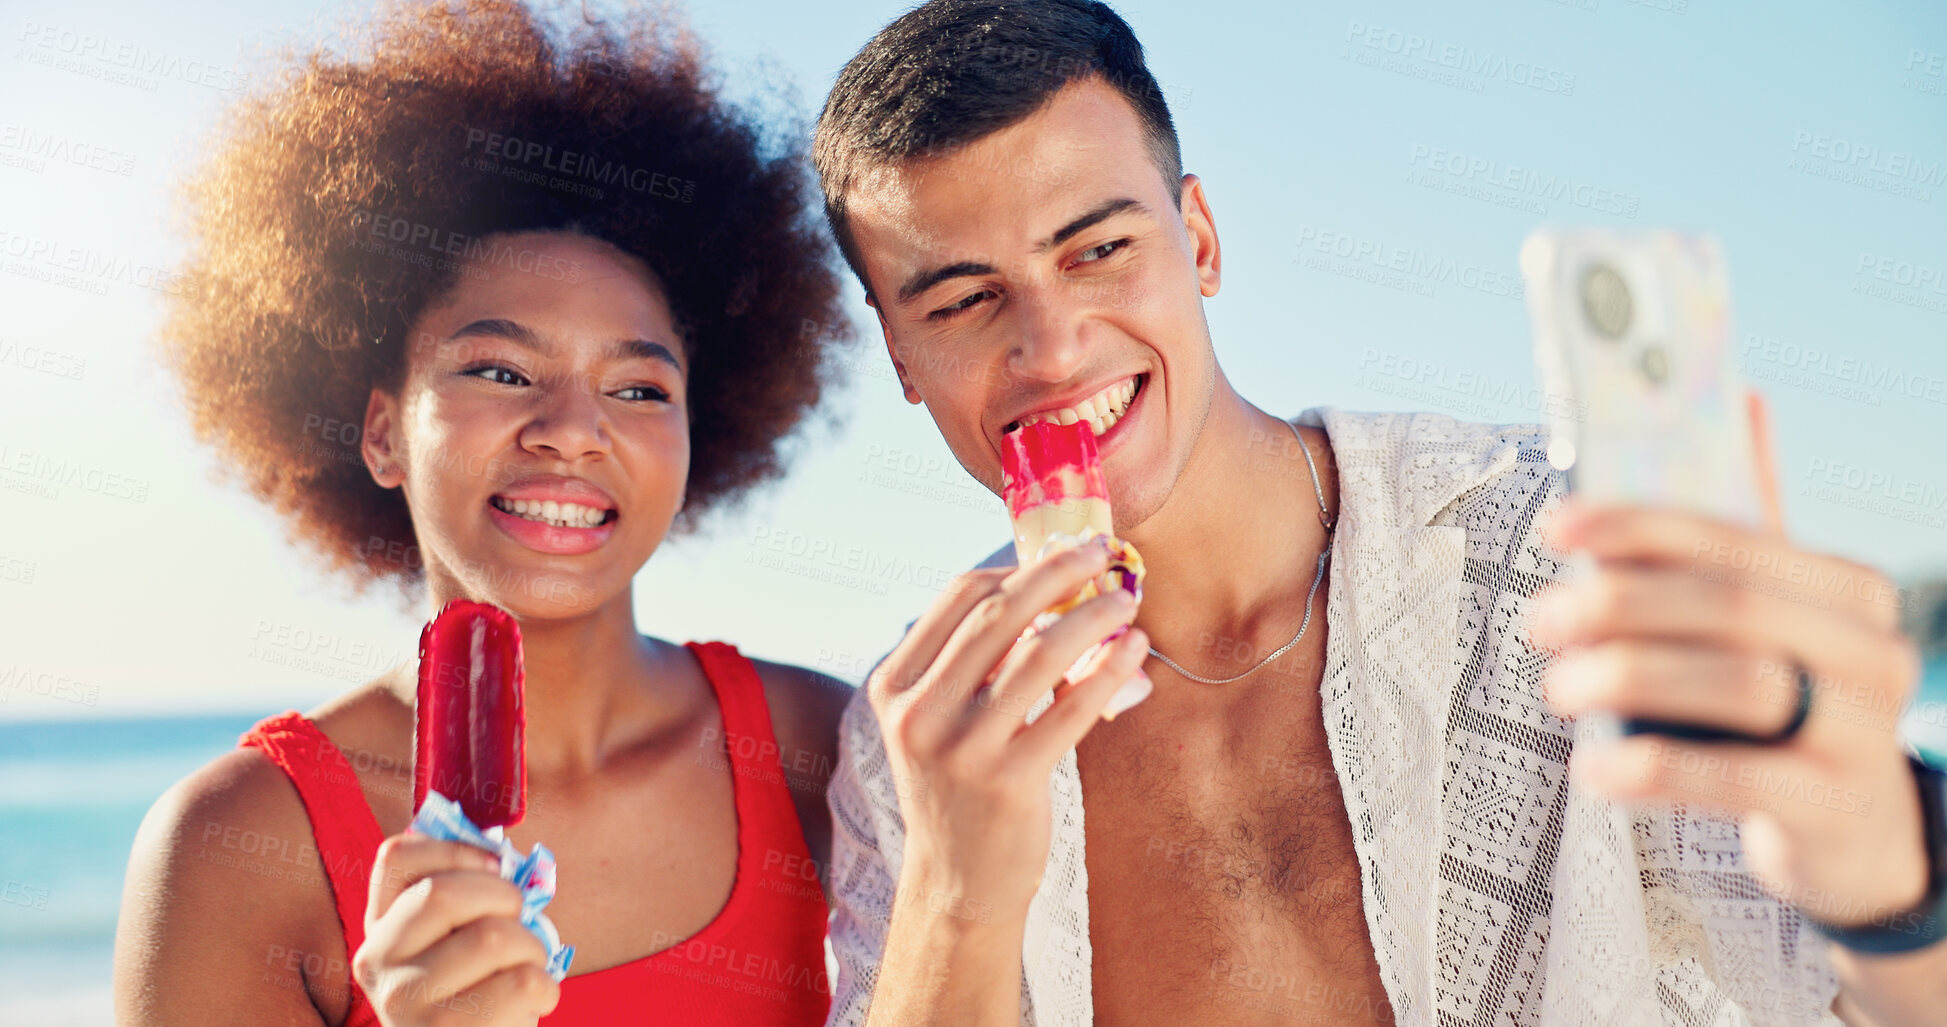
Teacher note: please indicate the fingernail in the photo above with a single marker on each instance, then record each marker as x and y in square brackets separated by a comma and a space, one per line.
[1550, 615]
[1084, 664]
[1565, 523]
[1564, 683]
[1132, 691]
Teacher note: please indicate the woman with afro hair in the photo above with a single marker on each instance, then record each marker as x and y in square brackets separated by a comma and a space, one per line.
[571, 300]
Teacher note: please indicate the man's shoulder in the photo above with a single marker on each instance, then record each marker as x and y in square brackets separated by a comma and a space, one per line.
[1416, 437]
[1422, 468]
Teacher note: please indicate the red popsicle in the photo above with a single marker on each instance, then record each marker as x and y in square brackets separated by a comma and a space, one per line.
[469, 732]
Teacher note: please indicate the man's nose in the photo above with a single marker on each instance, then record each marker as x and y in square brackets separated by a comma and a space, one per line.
[1048, 343]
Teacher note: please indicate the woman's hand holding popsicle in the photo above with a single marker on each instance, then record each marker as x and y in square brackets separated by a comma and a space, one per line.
[444, 943]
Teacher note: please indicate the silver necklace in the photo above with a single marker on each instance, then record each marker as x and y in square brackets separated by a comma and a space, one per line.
[1325, 518]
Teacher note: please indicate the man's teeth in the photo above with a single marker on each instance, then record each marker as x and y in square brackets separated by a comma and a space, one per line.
[1101, 410]
[560, 515]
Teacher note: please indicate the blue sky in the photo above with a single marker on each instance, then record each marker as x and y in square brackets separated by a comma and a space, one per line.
[1810, 137]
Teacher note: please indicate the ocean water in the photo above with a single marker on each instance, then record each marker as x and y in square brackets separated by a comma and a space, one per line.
[72, 794]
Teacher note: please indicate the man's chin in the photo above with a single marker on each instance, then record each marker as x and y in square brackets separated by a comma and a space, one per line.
[1136, 507]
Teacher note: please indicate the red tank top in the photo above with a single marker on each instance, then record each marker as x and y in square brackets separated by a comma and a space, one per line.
[761, 961]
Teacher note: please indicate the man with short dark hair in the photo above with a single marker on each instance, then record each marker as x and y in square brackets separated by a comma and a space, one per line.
[1343, 797]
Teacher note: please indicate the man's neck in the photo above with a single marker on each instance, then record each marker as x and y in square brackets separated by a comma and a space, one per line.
[1232, 552]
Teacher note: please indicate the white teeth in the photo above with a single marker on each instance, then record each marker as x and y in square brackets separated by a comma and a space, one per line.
[1101, 410]
[560, 515]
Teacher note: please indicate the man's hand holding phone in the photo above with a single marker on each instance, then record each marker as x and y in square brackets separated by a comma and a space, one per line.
[1691, 620]
[952, 703]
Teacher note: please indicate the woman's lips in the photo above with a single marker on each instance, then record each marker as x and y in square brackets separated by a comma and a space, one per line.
[546, 538]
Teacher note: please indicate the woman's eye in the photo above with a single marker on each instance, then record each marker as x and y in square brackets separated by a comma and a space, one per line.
[1098, 252]
[965, 304]
[499, 374]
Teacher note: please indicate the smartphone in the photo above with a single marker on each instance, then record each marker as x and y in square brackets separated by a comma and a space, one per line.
[1642, 396]
[1633, 342]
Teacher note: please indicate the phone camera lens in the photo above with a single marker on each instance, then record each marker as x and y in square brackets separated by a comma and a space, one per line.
[1606, 302]
[1655, 364]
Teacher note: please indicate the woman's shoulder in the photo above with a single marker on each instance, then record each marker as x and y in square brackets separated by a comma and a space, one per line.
[239, 824]
[241, 790]
[223, 876]
[371, 727]
[805, 705]
[227, 885]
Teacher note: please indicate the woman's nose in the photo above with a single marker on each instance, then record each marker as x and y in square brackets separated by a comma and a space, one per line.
[568, 419]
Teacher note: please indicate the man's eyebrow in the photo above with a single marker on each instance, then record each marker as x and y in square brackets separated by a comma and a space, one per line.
[643, 349]
[1101, 213]
[924, 280]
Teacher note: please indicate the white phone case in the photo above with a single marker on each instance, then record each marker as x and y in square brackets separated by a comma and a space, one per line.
[1633, 341]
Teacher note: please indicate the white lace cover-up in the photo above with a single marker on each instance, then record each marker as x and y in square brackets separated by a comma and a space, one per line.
[1494, 893]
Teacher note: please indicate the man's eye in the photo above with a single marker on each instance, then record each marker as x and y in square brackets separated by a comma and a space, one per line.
[640, 393]
[499, 374]
[1098, 252]
[955, 308]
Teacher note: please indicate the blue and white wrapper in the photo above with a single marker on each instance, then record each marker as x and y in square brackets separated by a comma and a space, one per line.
[441, 818]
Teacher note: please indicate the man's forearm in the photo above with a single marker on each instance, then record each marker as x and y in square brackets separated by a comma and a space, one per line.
[947, 964]
[1893, 991]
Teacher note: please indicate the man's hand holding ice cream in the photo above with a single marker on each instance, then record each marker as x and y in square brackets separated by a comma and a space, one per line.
[953, 702]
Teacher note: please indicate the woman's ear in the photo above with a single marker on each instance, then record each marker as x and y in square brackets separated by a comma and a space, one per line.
[380, 443]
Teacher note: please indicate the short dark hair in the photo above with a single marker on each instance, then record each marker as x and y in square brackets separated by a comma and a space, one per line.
[453, 122]
[951, 72]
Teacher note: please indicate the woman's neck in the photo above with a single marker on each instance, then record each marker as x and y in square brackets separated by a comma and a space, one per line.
[588, 687]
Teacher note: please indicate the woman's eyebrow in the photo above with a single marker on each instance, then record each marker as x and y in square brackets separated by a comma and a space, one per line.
[512, 331]
[526, 338]
[643, 349]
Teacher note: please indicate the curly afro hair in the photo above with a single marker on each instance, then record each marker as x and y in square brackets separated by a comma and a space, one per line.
[327, 216]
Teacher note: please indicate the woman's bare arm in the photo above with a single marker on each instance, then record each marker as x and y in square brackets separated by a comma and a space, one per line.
[805, 711]
[227, 915]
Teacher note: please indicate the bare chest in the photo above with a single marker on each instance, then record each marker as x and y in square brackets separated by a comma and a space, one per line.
[1223, 882]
